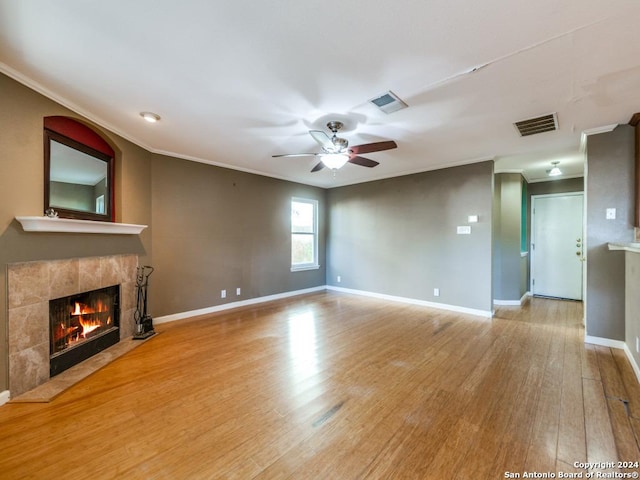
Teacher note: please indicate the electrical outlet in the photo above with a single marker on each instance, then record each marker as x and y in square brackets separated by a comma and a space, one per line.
[436, 292]
[223, 294]
[339, 279]
[238, 291]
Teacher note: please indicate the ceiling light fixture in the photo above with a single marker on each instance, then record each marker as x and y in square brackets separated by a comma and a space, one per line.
[334, 161]
[389, 102]
[150, 117]
[555, 171]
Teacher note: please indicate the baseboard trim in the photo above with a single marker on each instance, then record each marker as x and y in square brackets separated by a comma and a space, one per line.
[632, 361]
[413, 301]
[253, 301]
[512, 303]
[4, 397]
[507, 303]
[604, 342]
[231, 305]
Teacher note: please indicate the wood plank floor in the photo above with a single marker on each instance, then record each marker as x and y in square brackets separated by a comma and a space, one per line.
[335, 386]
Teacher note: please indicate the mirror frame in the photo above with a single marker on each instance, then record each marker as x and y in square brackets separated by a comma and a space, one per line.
[84, 141]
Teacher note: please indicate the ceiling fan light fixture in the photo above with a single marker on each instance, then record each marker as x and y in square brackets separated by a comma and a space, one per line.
[555, 171]
[150, 117]
[334, 161]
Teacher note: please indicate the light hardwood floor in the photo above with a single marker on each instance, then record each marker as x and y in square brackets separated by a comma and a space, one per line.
[334, 386]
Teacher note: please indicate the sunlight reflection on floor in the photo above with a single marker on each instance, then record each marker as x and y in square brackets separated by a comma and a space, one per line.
[302, 346]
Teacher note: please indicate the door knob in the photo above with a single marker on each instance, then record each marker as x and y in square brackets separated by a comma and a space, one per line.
[578, 253]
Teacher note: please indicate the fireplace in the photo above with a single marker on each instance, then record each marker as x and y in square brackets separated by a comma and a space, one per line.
[32, 285]
[82, 325]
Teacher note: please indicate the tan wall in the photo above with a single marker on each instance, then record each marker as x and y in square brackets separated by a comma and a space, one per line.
[609, 184]
[211, 228]
[22, 186]
[398, 236]
[215, 229]
[509, 269]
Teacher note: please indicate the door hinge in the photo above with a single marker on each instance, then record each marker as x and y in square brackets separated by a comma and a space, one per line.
[533, 281]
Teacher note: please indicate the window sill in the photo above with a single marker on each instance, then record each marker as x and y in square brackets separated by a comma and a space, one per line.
[305, 267]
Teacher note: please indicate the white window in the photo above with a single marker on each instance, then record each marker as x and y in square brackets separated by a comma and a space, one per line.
[304, 234]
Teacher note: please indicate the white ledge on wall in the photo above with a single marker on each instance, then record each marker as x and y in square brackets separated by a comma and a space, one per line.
[627, 247]
[68, 225]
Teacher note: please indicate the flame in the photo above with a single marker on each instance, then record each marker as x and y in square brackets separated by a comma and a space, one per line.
[83, 309]
[88, 326]
[84, 319]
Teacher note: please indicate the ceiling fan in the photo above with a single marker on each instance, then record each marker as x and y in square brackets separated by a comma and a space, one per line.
[336, 151]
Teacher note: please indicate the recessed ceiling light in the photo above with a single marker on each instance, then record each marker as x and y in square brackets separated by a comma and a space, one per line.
[150, 117]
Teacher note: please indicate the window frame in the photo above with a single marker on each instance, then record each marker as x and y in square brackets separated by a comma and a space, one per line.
[315, 264]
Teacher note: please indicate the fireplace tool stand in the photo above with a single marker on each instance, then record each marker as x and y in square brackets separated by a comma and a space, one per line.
[144, 322]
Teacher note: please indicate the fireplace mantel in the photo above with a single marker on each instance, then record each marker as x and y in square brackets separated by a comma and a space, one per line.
[47, 224]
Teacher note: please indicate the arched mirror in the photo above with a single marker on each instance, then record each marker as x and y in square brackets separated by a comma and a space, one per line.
[79, 171]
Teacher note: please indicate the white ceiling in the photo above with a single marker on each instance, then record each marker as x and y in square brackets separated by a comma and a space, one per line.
[236, 82]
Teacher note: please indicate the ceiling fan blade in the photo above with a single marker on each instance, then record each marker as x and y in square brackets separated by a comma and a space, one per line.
[364, 162]
[373, 147]
[296, 155]
[319, 166]
[322, 138]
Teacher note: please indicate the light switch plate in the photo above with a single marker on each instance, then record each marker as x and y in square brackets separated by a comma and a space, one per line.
[473, 219]
[464, 230]
[611, 213]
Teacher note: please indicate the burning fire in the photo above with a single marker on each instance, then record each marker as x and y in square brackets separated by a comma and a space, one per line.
[89, 324]
[82, 309]
[74, 321]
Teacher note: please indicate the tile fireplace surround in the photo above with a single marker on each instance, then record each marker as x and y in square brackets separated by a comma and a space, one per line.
[30, 287]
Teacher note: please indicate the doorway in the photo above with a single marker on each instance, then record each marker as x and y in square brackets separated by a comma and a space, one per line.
[557, 245]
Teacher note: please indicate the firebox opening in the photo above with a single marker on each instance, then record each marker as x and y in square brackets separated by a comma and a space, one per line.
[82, 325]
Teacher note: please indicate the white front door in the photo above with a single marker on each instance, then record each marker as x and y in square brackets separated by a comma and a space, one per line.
[557, 245]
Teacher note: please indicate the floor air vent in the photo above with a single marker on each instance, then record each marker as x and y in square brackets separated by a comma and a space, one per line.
[533, 126]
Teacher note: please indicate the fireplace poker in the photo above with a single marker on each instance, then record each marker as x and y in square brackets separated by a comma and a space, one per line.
[144, 322]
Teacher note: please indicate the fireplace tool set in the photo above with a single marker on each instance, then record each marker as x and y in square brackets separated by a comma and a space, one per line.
[144, 322]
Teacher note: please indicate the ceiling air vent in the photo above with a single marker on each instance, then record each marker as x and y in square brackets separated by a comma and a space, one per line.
[532, 126]
[388, 102]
